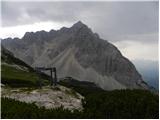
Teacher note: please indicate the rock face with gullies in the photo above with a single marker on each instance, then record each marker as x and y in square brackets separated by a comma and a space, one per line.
[79, 53]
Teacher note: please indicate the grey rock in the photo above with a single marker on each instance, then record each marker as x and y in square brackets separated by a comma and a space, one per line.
[79, 53]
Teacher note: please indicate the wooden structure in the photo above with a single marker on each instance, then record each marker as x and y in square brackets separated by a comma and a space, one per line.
[51, 69]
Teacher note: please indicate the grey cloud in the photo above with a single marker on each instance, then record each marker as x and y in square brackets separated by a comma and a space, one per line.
[149, 38]
[125, 18]
[111, 20]
[39, 11]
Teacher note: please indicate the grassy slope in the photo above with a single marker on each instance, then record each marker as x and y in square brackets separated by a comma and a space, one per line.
[15, 77]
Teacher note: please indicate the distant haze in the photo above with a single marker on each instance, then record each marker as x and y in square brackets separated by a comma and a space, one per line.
[149, 71]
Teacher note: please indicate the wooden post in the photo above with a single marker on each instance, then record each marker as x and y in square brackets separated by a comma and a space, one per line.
[40, 82]
[51, 77]
[55, 76]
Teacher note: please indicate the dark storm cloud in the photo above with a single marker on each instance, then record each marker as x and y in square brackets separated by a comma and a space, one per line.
[111, 20]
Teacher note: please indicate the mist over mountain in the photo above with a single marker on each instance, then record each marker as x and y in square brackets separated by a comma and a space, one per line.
[79, 53]
[149, 71]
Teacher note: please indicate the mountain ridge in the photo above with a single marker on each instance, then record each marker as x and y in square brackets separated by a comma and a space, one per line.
[87, 53]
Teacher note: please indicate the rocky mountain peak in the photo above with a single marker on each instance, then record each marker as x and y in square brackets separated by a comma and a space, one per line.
[79, 53]
[81, 30]
[79, 25]
[27, 34]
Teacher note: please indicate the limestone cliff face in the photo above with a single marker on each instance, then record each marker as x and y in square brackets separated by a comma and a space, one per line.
[79, 53]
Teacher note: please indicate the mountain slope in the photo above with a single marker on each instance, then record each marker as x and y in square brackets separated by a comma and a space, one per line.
[79, 53]
[20, 82]
[17, 73]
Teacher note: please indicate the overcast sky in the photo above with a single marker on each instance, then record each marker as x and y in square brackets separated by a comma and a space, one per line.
[131, 26]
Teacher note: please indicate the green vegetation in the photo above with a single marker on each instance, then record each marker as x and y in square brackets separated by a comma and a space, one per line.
[8, 57]
[105, 104]
[16, 73]
[13, 76]
[84, 88]
[14, 109]
[122, 104]
[72, 93]
[117, 103]
[19, 78]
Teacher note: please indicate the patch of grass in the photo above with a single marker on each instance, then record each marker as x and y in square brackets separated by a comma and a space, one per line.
[28, 89]
[8, 57]
[10, 72]
[19, 78]
[72, 93]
